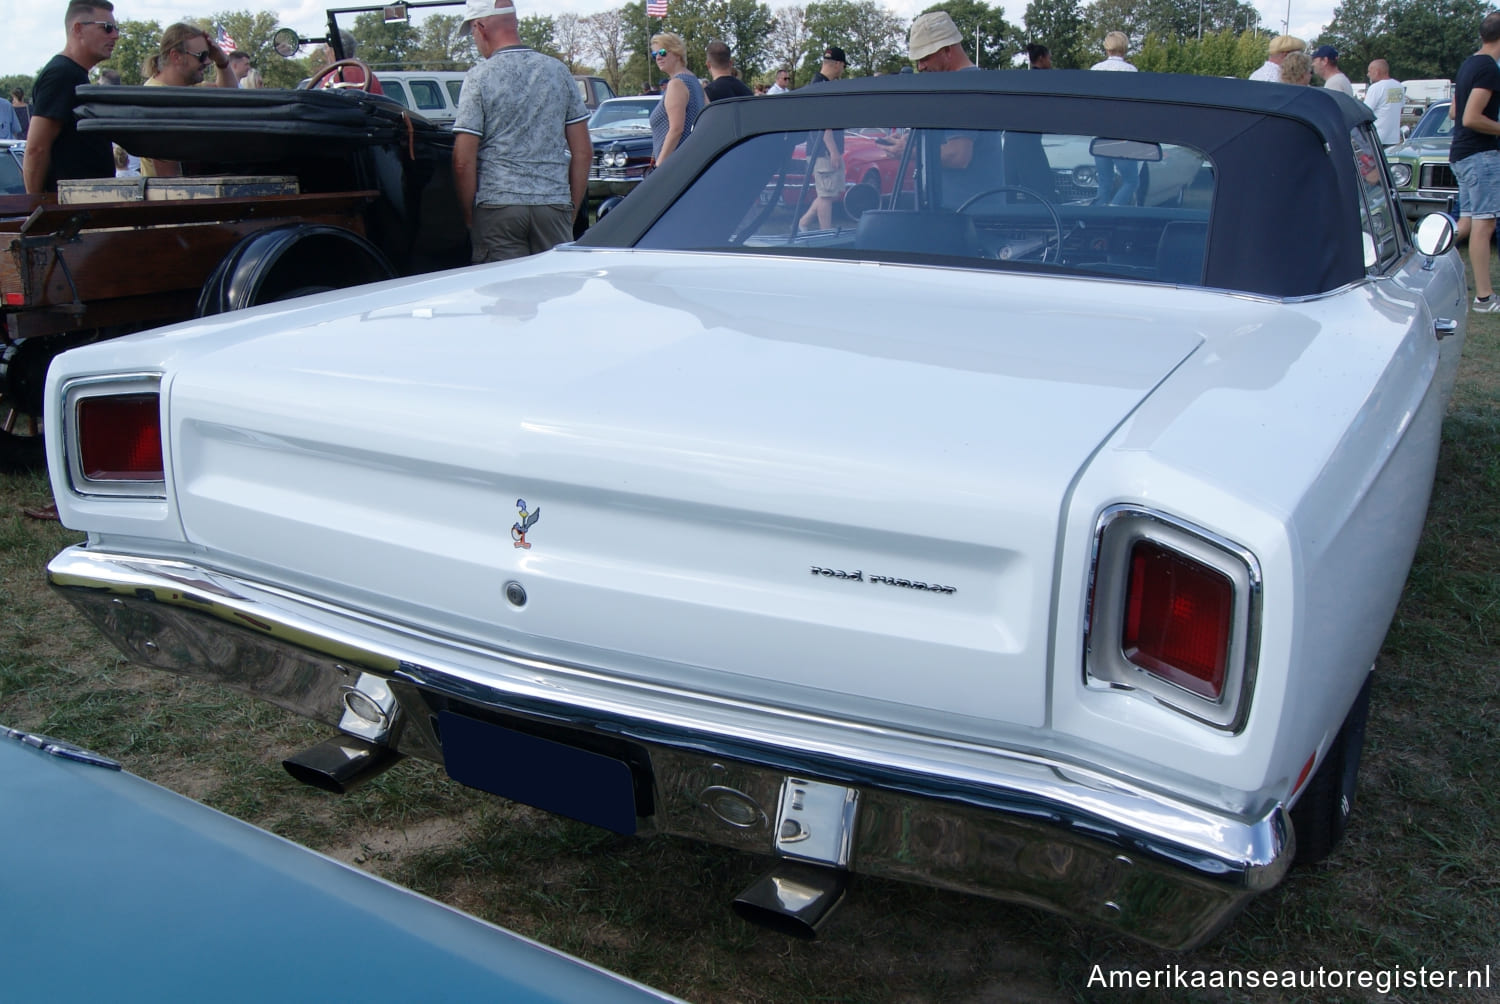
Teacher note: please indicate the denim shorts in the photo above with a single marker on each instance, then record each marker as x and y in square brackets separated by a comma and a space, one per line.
[1479, 184]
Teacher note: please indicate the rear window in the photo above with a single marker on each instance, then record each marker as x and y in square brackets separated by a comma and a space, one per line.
[427, 95]
[11, 182]
[1007, 199]
[622, 113]
[1437, 122]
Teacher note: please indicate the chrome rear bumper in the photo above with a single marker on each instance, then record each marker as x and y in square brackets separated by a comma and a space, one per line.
[1010, 825]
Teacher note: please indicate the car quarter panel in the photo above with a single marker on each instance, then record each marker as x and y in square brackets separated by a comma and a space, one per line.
[1317, 456]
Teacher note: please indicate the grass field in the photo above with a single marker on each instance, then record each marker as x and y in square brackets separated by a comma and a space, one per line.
[1413, 885]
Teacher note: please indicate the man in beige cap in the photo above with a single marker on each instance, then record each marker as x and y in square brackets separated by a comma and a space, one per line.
[1270, 70]
[521, 147]
[934, 44]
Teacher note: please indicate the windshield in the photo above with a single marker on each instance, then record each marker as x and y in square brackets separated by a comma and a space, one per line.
[10, 172]
[998, 198]
[1435, 123]
[624, 114]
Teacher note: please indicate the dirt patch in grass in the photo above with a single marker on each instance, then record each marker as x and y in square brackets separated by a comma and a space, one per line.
[393, 846]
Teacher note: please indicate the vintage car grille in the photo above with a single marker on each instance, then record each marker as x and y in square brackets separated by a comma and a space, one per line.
[1438, 176]
[1069, 190]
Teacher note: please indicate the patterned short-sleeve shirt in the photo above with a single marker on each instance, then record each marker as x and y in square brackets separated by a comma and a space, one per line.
[519, 103]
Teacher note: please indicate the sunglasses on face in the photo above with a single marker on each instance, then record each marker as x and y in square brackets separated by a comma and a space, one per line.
[201, 57]
[659, 53]
[110, 28]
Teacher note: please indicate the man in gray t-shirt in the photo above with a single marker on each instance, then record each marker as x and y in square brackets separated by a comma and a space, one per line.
[521, 146]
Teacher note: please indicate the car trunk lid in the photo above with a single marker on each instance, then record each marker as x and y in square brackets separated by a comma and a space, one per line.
[702, 471]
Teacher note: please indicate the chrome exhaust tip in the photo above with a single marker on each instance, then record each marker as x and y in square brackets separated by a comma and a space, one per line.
[340, 764]
[794, 899]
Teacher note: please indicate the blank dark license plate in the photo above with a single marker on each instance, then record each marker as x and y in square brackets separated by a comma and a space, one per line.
[589, 787]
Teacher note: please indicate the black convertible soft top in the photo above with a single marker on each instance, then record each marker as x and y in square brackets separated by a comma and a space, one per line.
[1285, 218]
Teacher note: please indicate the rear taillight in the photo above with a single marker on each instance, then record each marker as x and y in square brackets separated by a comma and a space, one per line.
[112, 436]
[1173, 615]
[1177, 619]
[119, 438]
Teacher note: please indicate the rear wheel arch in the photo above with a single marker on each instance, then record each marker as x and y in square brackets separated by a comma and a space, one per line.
[1322, 812]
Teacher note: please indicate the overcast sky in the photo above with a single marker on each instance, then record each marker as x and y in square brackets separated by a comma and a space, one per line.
[33, 31]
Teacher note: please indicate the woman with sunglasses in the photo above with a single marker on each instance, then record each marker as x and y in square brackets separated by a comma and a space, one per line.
[182, 61]
[672, 119]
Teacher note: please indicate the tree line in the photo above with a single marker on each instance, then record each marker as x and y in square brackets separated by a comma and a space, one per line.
[1419, 38]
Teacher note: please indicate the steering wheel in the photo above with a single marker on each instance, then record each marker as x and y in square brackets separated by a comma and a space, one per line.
[1033, 193]
[327, 71]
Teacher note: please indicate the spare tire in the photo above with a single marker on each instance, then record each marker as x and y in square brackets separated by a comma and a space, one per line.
[279, 263]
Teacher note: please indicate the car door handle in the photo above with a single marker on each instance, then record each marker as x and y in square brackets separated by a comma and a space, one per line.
[1444, 326]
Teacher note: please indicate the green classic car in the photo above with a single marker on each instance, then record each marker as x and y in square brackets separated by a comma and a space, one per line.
[1419, 166]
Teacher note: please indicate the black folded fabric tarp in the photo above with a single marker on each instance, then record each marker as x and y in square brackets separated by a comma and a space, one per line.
[203, 123]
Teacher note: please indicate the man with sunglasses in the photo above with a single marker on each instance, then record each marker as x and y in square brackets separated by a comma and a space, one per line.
[54, 148]
[181, 60]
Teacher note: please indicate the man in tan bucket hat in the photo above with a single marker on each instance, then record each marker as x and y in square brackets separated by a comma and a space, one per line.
[934, 44]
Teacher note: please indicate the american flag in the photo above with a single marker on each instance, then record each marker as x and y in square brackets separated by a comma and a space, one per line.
[226, 41]
[656, 8]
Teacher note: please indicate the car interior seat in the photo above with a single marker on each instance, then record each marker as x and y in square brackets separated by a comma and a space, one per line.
[917, 232]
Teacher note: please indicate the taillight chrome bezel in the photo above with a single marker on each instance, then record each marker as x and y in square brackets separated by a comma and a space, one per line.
[1106, 664]
[79, 391]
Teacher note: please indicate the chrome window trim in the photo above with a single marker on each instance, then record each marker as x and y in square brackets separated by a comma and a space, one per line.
[1105, 665]
[115, 385]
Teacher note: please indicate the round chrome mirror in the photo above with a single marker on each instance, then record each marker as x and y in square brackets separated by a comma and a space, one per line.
[1435, 234]
[286, 42]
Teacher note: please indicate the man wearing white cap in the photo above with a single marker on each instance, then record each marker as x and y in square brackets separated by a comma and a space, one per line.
[935, 44]
[521, 146]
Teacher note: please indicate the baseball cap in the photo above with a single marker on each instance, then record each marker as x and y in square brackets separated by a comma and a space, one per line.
[1326, 52]
[834, 53]
[931, 32]
[476, 9]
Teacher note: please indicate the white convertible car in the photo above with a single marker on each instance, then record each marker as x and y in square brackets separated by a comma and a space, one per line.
[1030, 548]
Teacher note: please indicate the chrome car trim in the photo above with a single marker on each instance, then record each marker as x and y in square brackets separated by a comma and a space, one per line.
[1010, 824]
[1106, 666]
[59, 748]
[112, 385]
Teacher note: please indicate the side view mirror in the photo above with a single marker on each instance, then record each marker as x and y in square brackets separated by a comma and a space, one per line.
[1436, 234]
[287, 42]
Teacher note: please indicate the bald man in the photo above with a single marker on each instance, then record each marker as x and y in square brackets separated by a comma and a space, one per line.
[1386, 97]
